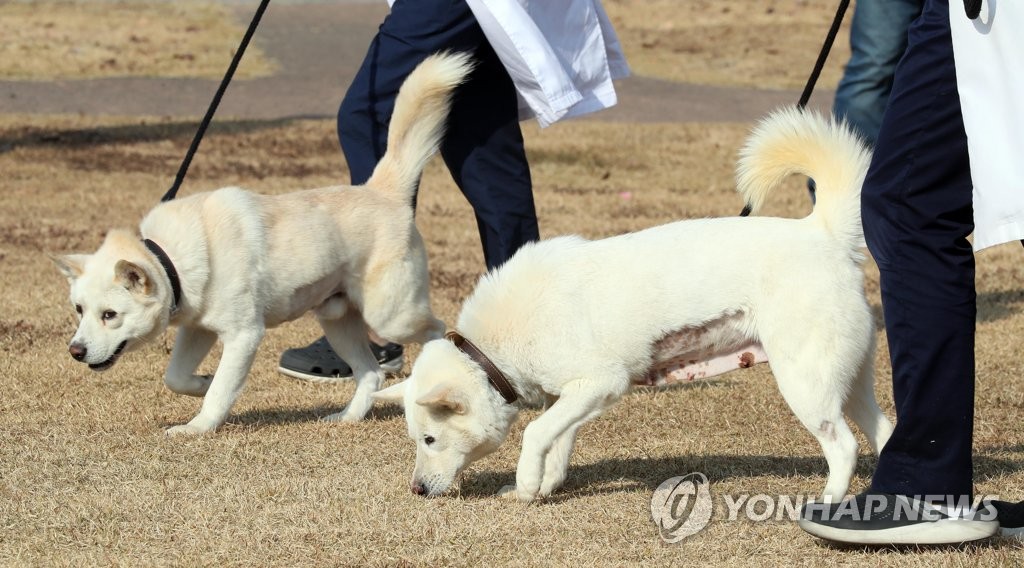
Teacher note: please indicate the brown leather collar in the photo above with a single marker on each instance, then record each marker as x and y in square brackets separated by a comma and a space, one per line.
[494, 375]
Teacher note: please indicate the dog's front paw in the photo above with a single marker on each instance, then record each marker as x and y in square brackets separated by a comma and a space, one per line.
[350, 414]
[554, 476]
[512, 492]
[185, 430]
[549, 487]
[343, 416]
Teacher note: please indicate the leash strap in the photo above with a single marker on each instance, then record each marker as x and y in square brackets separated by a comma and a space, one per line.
[823, 54]
[215, 102]
[812, 80]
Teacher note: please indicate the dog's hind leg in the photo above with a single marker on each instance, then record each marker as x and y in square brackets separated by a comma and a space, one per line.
[190, 348]
[815, 396]
[402, 318]
[396, 298]
[862, 408]
[347, 335]
[419, 328]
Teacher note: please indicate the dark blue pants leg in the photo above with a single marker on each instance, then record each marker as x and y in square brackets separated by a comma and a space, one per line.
[917, 212]
[484, 152]
[483, 147]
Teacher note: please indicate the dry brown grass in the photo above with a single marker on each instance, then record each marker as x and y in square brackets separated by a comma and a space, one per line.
[749, 43]
[86, 477]
[746, 43]
[81, 39]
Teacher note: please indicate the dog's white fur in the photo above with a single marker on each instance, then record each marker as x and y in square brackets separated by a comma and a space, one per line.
[573, 323]
[248, 262]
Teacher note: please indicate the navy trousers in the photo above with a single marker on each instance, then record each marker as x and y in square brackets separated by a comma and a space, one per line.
[483, 146]
[917, 213]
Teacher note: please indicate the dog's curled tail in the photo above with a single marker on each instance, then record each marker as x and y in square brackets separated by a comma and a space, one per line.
[418, 122]
[791, 141]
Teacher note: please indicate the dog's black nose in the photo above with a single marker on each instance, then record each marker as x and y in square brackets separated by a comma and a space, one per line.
[77, 351]
[418, 488]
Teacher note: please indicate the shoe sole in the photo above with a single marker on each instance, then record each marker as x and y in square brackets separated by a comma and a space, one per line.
[945, 531]
[388, 367]
[1016, 533]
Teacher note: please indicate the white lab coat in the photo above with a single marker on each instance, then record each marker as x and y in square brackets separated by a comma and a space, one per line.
[989, 55]
[561, 54]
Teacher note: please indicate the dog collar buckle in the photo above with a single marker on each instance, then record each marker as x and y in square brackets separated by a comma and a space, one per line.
[494, 375]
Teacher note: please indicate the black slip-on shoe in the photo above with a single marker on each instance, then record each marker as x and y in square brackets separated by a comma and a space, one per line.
[319, 363]
[1011, 518]
[883, 518]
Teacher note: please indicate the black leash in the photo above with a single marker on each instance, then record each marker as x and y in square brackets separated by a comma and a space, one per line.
[823, 55]
[216, 101]
[818, 66]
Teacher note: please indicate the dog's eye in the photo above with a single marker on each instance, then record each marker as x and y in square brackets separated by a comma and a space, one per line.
[428, 440]
[78, 308]
[109, 315]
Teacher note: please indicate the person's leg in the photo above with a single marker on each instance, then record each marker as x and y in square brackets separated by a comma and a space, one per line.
[917, 214]
[362, 123]
[484, 151]
[483, 145]
[878, 38]
[917, 211]
[411, 31]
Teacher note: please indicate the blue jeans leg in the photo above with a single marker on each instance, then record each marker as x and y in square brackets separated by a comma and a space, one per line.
[878, 38]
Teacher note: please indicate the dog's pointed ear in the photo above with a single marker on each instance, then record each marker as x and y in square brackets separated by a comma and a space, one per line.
[444, 397]
[70, 265]
[133, 277]
[394, 394]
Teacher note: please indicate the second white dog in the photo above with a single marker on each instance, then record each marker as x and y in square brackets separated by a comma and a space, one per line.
[672, 303]
[228, 264]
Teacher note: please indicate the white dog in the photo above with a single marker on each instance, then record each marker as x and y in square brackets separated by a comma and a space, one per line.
[672, 303]
[229, 264]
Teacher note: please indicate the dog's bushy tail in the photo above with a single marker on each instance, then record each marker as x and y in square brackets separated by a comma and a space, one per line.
[791, 141]
[418, 121]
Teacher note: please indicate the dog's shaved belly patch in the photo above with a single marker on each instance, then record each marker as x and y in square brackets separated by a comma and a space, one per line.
[699, 353]
[684, 369]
